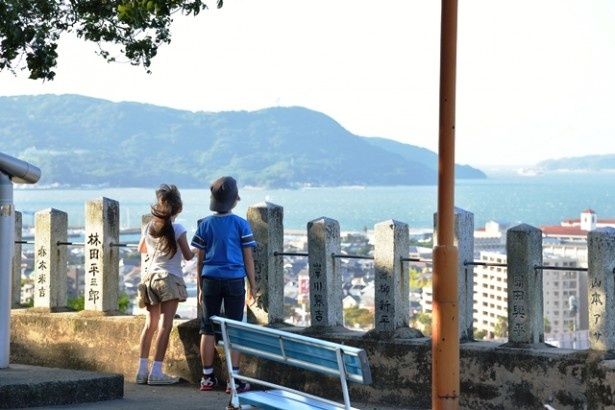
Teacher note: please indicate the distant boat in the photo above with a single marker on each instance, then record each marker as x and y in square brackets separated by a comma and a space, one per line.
[529, 172]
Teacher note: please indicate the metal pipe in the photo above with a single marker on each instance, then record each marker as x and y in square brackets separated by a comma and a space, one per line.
[562, 268]
[7, 247]
[234, 402]
[18, 170]
[342, 369]
[445, 333]
[124, 245]
[60, 243]
[340, 256]
[276, 253]
[478, 263]
[416, 260]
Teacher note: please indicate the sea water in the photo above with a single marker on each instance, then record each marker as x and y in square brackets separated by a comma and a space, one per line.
[538, 200]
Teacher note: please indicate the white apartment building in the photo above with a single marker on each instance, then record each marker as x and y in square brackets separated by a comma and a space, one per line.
[559, 286]
[490, 238]
[491, 294]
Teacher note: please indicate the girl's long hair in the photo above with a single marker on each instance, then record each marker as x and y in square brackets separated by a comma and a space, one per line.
[169, 204]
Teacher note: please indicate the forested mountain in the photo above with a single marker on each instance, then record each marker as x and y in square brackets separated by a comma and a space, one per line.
[79, 141]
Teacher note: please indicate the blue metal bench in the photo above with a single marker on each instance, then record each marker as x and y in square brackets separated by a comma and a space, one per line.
[346, 362]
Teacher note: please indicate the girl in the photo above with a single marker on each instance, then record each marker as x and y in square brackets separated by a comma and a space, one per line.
[162, 285]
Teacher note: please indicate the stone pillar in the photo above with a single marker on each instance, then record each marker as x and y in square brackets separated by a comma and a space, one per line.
[464, 241]
[392, 282]
[601, 289]
[325, 274]
[16, 282]
[102, 228]
[50, 259]
[525, 304]
[266, 220]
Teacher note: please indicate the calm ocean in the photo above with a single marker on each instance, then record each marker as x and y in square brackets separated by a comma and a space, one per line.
[539, 200]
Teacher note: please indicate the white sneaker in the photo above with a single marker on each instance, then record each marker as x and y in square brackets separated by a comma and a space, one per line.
[161, 379]
[141, 378]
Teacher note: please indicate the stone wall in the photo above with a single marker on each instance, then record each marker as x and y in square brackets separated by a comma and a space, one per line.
[492, 376]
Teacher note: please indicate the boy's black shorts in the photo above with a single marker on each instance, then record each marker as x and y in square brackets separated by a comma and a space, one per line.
[214, 292]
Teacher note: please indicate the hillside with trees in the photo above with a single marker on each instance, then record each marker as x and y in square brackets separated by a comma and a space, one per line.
[82, 141]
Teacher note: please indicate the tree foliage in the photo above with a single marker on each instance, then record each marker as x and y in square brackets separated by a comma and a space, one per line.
[360, 317]
[547, 324]
[480, 334]
[422, 321]
[78, 303]
[501, 327]
[30, 29]
[79, 141]
[417, 281]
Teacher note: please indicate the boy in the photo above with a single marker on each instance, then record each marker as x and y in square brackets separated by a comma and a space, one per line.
[224, 242]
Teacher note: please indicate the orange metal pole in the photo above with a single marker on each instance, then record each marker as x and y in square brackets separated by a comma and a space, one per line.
[445, 329]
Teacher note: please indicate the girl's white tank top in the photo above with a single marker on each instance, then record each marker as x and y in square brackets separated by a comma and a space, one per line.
[158, 261]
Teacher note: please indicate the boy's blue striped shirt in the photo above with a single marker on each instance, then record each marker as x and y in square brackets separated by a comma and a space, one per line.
[222, 237]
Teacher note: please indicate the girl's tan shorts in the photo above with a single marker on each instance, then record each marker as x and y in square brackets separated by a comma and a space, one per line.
[158, 287]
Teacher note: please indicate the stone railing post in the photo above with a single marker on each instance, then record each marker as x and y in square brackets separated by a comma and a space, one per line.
[601, 289]
[16, 282]
[392, 282]
[102, 229]
[50, 259]
[325, 275]
[525, 301]
[464, 241]
[266, 220]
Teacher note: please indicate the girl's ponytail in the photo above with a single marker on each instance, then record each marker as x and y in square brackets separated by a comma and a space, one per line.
[169, 204]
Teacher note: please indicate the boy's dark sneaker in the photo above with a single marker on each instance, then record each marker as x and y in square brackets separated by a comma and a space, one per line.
[240, 386]
[208, 382]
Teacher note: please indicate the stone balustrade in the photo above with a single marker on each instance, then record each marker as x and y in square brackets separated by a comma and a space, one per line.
[391, 298]
[493, 375]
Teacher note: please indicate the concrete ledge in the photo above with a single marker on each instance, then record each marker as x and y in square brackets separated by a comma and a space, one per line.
[493, 376]
[32, 386]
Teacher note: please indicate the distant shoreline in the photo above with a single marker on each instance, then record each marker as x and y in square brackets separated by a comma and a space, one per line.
[88, 187]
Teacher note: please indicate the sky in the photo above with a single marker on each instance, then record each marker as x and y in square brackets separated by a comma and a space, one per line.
[534, 77]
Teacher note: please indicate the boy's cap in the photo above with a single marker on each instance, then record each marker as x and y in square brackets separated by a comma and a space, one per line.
[224, 193]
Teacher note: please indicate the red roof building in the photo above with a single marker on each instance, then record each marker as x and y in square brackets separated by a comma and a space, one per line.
[577, 228]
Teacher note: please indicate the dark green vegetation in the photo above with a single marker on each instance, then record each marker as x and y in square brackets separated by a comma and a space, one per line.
[78, 303]
[80, 141]
[30, 30]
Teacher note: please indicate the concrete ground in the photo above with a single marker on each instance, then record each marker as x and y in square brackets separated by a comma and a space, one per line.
[181, 396]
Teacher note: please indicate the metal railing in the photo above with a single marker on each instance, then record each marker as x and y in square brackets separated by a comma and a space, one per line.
[349, 256]
[276, 253]
[68, 243]
[481, 263]
[124, 245]
[59, 243]
[563, 268]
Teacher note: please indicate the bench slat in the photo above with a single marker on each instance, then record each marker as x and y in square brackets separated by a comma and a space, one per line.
[280, 399]
[299, 350]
